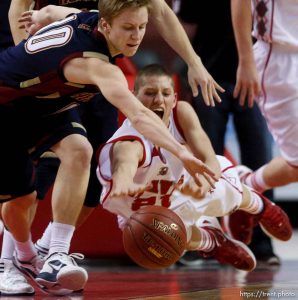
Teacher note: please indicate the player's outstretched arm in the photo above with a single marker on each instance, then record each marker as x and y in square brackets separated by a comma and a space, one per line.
[173, 33]
[33, 20]
[125, 158]
[247, 83]
[113, 85]
[200, 145]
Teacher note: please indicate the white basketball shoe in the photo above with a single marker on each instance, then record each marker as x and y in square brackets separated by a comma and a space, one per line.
[12, 281]
[61, 273]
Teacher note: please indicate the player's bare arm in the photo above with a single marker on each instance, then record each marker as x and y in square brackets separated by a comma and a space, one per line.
[199, 144]
[113, 85]
[247, 84]
[17, 7]
[125, 158]
[33, 20]
[173, 33]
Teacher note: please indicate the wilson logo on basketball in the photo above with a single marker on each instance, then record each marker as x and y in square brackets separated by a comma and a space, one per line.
[155, 248]
[169, 230]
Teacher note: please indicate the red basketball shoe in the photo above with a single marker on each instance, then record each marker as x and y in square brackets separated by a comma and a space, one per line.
[273, 221]
[239, 225]
[228, 250]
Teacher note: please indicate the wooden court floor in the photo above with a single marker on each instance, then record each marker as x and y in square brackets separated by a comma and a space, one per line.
[114, 280]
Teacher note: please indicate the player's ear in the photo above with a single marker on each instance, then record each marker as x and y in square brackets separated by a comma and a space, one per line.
[175, 100]
[104, 25]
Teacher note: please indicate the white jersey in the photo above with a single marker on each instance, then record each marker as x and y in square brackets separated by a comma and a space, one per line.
[164, 171]
[276, 21]
[158, 167]
[276, 57]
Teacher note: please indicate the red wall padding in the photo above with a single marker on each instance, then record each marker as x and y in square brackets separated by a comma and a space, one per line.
[98, 237]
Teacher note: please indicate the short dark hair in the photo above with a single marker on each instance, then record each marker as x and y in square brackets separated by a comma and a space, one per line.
[151, 70]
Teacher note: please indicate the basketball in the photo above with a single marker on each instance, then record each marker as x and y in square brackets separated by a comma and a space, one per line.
[154, 237]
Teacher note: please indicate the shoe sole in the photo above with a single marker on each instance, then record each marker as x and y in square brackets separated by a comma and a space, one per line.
[271, 235]
[72, 278]
[17, 294]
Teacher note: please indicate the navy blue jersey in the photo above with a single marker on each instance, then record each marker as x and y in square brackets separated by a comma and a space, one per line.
[35, 66]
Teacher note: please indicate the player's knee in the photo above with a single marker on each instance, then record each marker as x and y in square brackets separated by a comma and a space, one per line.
[81, 156]
[17, 207]
[78, 155]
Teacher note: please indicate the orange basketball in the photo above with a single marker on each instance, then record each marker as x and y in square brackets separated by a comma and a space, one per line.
[154, 237]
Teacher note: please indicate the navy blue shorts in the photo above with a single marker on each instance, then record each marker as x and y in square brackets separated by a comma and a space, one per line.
[23, 133]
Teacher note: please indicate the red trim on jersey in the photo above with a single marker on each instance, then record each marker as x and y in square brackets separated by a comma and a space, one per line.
[123, 138]
[156, 152]
[227, 168]
[175, 115]
[109, 191]
[263, 77]
[291, 165]
[268, 58]
[224, 170]
[230, 183]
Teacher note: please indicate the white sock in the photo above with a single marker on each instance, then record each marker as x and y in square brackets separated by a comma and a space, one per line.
[45, 240]
[256, 180]
[206, 244]
[256, 204]
[25, 250]
[8, 245]
[61, 237]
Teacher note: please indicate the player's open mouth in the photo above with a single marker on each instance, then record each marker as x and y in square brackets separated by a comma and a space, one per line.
[159, 112]
[133, 45]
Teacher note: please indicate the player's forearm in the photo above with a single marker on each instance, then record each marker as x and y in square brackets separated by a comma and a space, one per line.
[242, 25]
[123, 171]
[204, 151]
[170, 28]
[52, 13]
[125, 160]
[17, 7]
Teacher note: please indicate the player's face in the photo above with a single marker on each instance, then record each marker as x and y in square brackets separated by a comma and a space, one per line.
[158, 95]
[125, 33]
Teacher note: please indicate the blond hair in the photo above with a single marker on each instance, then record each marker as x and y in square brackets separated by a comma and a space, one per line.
[109, 9]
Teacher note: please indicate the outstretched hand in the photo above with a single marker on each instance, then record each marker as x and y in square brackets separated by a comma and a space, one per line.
[199, 76]
[196, 168]
[190, 188]
[29, 21]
